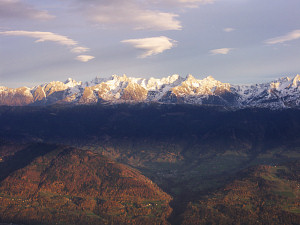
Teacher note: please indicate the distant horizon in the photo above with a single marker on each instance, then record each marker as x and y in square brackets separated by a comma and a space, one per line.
[137, 77]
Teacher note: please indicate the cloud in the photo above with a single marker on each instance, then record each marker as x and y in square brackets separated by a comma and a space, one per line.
[79, 49]
[194, 3]
[84, 58]
[18, 9]
[228, 29]
[220, 51]
[151, 46]
[135, 14]
[295, 34]
[49, 36]
[42, 36]
[155, 15]
[181, 3]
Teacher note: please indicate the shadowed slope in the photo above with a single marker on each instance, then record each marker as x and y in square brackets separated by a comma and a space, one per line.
[264, 195]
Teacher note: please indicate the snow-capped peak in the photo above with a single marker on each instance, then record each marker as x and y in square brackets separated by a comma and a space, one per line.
[210, 78]
[72, 83]
[296, 80]
[190, 77]
[283, 92]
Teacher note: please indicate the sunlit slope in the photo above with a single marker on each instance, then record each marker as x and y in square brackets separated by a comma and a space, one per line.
[71, 186]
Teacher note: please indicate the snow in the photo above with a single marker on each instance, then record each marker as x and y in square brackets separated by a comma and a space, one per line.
[72, 83]
[276, 94]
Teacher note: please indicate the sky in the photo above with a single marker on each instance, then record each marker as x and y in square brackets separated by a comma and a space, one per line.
[235, 41]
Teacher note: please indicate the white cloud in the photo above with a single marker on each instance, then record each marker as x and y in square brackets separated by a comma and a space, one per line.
[228, 29]
[151, 46]
[42, 36]
[135, 14]
[79, 49]
[20, 9]
[295, 34]
[220, 51]
[49, 36]
[84, 58]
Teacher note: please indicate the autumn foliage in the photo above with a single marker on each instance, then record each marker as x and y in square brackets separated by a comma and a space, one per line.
[70, 186]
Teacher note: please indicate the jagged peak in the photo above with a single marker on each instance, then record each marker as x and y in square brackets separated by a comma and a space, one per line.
[297, 77]
[210, 78]
[296, 80]
[190, 77]
[117, 77]
[169, 79]
[157, 88]
[54, 85]
[55, 82]
[283, 79]
[69, 80]
[96, 80]
[285, 83]
[72, 83]
[173, 77]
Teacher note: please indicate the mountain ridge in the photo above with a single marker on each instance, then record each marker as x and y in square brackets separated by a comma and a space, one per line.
[251, 197]
[73, 186]
[281, 93]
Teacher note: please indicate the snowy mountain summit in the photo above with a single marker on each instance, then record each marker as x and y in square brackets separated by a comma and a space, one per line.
[281, 93]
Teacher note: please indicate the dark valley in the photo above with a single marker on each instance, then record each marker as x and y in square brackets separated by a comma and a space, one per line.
[149, 163]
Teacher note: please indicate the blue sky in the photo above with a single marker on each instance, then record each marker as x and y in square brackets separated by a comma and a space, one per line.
[236, 41]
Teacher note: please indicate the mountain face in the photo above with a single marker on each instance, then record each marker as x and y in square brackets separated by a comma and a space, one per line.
[261, 195]
[282, 93]
[18, 96]
[72, 186]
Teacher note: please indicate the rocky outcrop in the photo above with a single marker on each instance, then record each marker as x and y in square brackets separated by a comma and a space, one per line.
[16, 97]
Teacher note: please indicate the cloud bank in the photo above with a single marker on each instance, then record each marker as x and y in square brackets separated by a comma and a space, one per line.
[295, 34]
[133, 13]
[52, 37]
[18, 9]
[158, 15]
[220, 51]
[151, 46]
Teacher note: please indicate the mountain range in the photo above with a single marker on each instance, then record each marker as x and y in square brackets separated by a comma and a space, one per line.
[281, 93]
